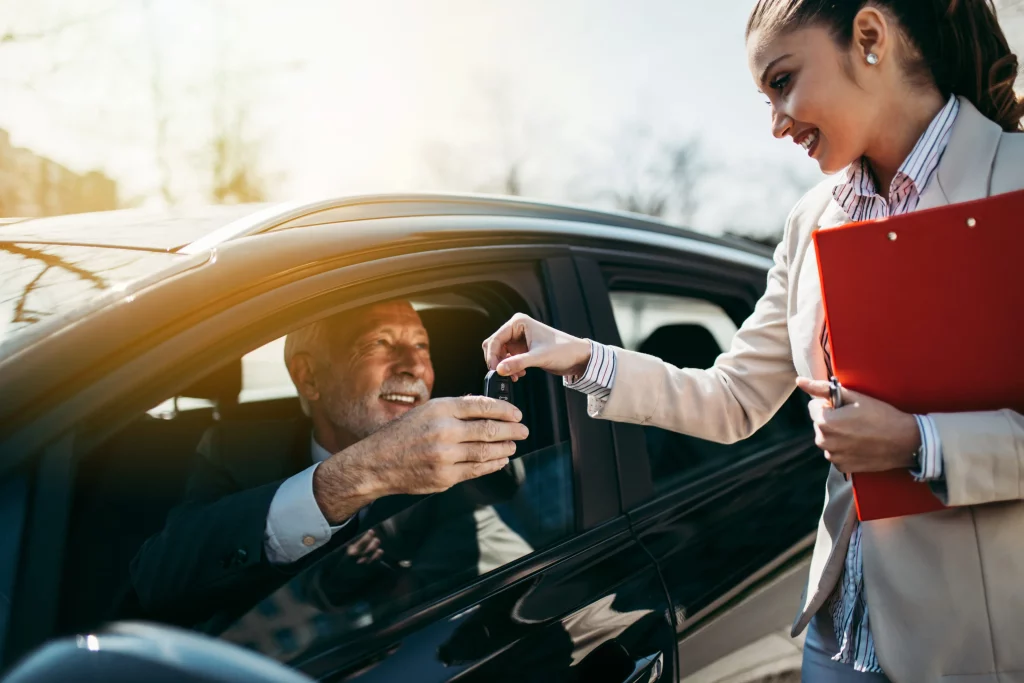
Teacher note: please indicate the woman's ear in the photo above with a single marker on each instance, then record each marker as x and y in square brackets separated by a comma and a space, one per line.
[871, 36]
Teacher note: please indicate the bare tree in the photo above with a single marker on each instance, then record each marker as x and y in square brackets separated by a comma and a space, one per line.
[11, 34]
[499, 161]
[656, 177]
[234, 161]
[161, 112]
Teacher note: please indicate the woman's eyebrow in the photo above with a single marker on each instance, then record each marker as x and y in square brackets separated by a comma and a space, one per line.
[764, 74]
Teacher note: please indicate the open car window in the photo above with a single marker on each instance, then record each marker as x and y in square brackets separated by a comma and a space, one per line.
[133, 491]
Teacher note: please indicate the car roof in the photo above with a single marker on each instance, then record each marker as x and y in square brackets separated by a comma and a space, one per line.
[59, 269]
[193, 229]
[148, 229]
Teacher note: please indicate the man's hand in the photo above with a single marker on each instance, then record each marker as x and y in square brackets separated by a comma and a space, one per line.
[365, 548]
[865, 435]
[429, 449]
[523, 343]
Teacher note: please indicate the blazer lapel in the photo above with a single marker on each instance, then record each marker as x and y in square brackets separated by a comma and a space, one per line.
[965, 171]
[833, 216]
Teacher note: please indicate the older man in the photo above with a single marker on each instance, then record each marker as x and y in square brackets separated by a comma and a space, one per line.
[269, 497]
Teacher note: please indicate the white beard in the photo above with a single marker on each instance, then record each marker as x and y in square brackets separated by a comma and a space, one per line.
[361, 416]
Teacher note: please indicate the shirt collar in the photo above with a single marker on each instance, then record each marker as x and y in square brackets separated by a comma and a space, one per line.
[917, 168]
[318, 452]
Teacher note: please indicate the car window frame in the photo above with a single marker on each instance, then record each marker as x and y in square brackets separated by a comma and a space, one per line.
[300, 300]
[735, 287]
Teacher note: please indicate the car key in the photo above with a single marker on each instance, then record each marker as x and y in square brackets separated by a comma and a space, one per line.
[498, 387]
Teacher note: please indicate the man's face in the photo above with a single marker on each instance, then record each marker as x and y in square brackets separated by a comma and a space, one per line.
[379, 368]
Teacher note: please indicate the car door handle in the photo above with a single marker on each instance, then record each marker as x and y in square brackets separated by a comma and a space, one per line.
[611, 663]
[647, 669]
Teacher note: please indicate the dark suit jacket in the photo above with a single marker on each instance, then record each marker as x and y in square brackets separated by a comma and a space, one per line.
[207, 566]
[208, 560]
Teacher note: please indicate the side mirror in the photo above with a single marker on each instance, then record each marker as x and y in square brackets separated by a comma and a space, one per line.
[128, 652]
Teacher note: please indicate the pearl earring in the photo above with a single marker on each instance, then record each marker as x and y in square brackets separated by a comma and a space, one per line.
[872, 58]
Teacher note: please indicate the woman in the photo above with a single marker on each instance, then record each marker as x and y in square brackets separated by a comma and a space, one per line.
[913, 100]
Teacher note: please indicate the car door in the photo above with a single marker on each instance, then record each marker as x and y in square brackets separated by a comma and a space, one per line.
[589, 602]
[731, 526]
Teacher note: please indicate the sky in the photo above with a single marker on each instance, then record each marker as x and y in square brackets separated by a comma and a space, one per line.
[338, 97]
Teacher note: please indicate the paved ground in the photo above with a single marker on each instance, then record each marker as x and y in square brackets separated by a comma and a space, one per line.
[773, 659]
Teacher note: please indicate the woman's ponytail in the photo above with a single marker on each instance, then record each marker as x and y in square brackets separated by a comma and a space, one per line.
[956, 44]
[967, 54]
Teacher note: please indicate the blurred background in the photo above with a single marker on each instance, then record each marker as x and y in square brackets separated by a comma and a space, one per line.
[644, 106]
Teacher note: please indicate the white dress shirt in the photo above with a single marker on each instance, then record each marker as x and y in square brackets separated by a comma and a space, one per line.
[295, 524]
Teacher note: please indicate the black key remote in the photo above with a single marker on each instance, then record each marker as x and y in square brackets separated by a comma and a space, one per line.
[498, 387]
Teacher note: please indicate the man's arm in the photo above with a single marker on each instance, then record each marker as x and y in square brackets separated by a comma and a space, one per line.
[212, 551]
[210, 556]
[296, 525]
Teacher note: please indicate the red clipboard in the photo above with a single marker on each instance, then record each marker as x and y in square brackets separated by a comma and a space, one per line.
[925, 311]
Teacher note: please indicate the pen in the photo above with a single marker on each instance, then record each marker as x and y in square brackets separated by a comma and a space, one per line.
[835, 391]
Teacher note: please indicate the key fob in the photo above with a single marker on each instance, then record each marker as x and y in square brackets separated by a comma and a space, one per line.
[498, 387]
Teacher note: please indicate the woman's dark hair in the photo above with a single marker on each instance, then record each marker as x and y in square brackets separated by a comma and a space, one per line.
[957, 44]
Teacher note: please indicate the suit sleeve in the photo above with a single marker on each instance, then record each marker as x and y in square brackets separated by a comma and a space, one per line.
[982, 457]
[210, 558]
[727, 402]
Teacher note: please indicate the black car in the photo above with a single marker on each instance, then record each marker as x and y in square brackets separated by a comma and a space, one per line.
[646, 555]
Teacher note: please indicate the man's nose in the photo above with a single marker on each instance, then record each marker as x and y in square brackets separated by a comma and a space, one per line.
[781, 123]
[411, 361]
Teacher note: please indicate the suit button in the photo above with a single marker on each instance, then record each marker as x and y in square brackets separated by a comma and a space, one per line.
[308, 541]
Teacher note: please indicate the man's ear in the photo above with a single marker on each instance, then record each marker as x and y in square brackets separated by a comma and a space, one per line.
[300, 368]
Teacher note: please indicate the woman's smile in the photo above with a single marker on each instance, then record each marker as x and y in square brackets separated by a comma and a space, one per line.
[808, 140]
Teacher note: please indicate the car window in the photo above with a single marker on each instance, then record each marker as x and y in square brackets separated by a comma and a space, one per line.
[639, 314]
[436, 545]
[264, 376]
[685, 331]
[170, 515]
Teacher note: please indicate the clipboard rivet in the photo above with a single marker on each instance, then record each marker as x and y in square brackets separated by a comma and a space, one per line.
[971, 222]
[892, 237]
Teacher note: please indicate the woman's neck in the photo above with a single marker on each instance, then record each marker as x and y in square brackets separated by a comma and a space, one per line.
[899, 128]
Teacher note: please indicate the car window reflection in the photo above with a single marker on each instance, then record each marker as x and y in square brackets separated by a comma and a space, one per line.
[42, 282]
[429, 548]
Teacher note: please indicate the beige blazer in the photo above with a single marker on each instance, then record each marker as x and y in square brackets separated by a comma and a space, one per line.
[946, 589]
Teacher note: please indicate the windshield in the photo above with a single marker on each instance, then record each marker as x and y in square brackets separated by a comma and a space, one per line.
[43, 284]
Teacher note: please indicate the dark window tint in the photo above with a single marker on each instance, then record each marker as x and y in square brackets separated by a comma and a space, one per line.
[435, 546]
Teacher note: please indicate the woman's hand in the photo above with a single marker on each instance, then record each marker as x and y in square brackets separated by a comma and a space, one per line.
[523, 343]
[865, 435]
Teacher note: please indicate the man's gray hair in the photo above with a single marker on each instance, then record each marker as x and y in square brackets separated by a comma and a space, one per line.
[311, 339]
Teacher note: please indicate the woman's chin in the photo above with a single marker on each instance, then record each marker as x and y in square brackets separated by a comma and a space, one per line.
[829, 167]
[830, 164]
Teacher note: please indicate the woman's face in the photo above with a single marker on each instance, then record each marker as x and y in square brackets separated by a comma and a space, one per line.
[814, 100]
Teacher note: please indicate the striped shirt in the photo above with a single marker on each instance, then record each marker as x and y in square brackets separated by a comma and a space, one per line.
[859, 198]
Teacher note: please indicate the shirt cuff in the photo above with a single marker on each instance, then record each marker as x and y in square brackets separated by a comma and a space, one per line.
[931, 451]
[599, 377]
[295, 524]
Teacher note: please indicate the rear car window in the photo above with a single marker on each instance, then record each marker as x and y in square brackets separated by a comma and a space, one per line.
[689, 332]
